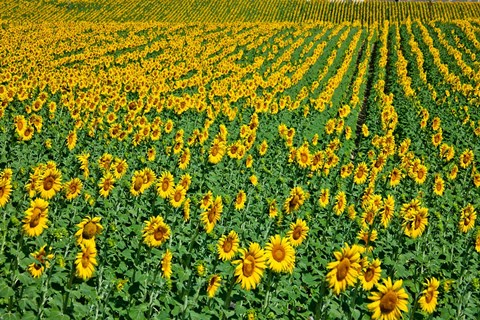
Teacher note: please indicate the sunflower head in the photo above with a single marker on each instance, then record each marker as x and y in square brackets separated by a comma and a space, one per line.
[390, 300]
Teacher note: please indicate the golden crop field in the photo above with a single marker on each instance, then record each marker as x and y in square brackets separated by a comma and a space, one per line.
[245, 160]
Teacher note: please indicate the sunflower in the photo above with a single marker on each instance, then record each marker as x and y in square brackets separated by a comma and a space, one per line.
[167, 264]
[428, 300]
[49, 183]
[389, 302]
[340, 204]
[83, 159]
[217, 151]
[367, 236]
[184, 159]
[361, 173]
[178, 195]
[36, 218]
[186, 210]
[155, 232]
[5, 191]
[249, 161]
[387, 211]
[240, 200]
[254, 180]
[185, 181]
[468, 216]
[344, 271]
[477, 241]
[73, 188]
[420, 174]
[346, 170]
[211, 216]
[295, 200]
[371, 275]
[453, 173]
[165, 185]
[280, 254]
[439, 186]
[250, 266]
[466, 158]
[262, 150]
[206, 200]
[303, 156]
[151, 154]
[86, 261]
[298, 232]
[72, 139]
[37, 268]
[213, 285]
[227, 246]
[139, 183]
[415, 222]
[272, 209]
[106, 185]
[324, 197]
[120, 167]
[88, 229]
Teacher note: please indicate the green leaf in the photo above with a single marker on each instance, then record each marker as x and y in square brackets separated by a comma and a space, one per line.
[137, 312]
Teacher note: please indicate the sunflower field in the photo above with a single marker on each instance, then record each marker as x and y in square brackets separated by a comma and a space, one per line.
[258, 160]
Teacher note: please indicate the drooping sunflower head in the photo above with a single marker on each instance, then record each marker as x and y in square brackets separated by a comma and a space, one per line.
[86, 261]
[240, 200]
[213, 285]
[139, 183]
[280, 254]
[428, 300]
[88, 229]
[167, 264]
[227, 246]
[5, 191]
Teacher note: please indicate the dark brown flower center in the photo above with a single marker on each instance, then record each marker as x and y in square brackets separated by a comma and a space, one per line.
[89, 230]
[342, 269]
[165, 185]
[35, 218]
[227, 245]
[48, 183]
[297, 233]
[388, 302]
[248, 266]
[159, 234]
[369, 274]
[85, 259]
[138, 183]
[178, 196]
[278, 253]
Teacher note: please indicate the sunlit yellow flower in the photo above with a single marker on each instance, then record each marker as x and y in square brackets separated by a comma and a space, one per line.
[227, 246]
[213, 285]
[88, 229]
[167, 264]
[298, 232]
[86, 261]
[155, 232]
[36, 218]
[280, 254]
[389, 302]
[250, 266]
[428, 300]
[344, 271]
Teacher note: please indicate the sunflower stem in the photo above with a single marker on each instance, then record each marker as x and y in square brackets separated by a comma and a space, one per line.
[320, 300]
[228, 297]
[66, 295]
[267, 294]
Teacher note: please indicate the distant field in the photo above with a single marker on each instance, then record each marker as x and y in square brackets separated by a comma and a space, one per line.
[154, 166]
[231, 11]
